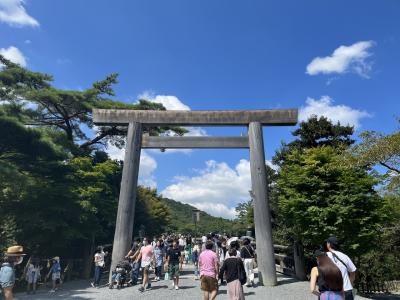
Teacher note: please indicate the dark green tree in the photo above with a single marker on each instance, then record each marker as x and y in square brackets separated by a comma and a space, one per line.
[318, 197]
[315, 132]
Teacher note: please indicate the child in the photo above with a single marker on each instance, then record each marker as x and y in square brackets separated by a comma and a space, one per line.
[55, 272]
[32, 275]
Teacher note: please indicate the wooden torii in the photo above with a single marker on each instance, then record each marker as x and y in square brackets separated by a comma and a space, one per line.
[253, 119]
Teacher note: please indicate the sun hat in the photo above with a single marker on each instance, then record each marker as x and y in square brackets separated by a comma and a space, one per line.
[15, 251]
[57, 258]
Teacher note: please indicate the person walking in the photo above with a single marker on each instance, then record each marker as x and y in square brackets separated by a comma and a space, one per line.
[158, 259]
[344, 263]
[14, 256]
[174, 262]
[231, 269]
[32, 275]
[195, 259]
[327, 277]
[132, 255]
[209, 270]
[247, 255]
[98, 266]
[146, 256]
[55, 271]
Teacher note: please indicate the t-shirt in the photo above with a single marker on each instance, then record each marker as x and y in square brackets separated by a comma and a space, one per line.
[174, 255]
[230, 268]
[7, 276]
[237, 254]
[55, 268]
[147, 254]
[207, 261]
[246, 252]
[100, 259]
[350, 267]
[159, 255]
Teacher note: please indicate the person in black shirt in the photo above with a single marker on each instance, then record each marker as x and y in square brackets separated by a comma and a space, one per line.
[174, 262]
[247, 254]
[230, 268]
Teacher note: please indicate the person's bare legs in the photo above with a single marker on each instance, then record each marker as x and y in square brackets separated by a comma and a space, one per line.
[213, 294]
[145, 278]
[206, 295]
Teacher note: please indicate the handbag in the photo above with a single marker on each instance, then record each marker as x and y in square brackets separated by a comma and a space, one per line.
[241, 273]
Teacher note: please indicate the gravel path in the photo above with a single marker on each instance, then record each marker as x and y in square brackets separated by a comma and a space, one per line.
[287, 289]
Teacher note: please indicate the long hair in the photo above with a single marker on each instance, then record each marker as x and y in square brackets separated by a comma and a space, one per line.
[331, 273]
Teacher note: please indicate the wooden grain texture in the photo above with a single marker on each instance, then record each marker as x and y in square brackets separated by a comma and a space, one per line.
[272, 117]
[194, 142]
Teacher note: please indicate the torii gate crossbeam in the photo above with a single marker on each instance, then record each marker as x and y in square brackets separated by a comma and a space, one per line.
[254, 119]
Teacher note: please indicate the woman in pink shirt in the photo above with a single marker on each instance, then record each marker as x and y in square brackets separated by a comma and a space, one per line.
[208, 262]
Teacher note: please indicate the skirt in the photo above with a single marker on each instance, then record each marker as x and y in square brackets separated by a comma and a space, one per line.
[329, 295]
[235, 290]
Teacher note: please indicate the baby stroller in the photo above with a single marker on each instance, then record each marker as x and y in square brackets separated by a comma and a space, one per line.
[120, 274]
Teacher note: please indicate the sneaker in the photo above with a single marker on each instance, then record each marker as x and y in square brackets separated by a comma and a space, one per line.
[92, 284]
[52, 291]
[177, 287]
[141, 289]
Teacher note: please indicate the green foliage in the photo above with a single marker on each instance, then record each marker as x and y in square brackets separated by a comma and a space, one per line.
[316, 132]
[318, 197]
[245, 213]
[378, 149]
[151, 212]
[181, 220]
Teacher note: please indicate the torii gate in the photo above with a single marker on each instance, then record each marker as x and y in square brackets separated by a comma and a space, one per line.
[254, 119]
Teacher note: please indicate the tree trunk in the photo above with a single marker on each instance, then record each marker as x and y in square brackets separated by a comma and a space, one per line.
[87, 259]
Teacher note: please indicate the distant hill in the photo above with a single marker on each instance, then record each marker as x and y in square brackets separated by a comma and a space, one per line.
[182, 221]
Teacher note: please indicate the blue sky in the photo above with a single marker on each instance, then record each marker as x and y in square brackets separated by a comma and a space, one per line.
[340, 59]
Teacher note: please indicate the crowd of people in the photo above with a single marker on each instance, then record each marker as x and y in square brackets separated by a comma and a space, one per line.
[32, 272]
[215, 259]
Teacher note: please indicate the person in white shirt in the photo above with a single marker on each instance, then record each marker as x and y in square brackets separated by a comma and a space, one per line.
[98, 266]
[345, 265]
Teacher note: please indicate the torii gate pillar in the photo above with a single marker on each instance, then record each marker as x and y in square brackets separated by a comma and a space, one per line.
[262, 215]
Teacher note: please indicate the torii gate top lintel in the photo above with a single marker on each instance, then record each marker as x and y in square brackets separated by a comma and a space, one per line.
[271, 117]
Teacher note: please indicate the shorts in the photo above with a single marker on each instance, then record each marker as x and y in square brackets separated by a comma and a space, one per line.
[32, 277]
[145, 265]
[173, 271]
[208, 284]
[56, 276]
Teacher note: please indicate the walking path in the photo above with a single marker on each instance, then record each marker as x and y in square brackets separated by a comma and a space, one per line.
[287, 289]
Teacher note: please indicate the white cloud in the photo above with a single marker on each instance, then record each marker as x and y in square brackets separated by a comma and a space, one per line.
[344, 59]
[147, 165]
[336, 113]
[173, 103]
[13, 13]
[169, 102]
[14, 54]
[217, 189]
